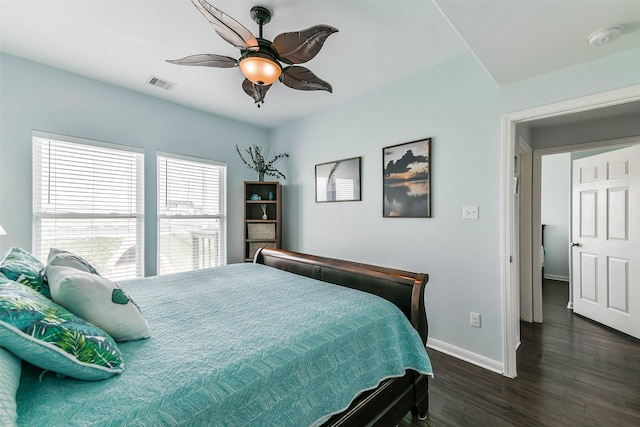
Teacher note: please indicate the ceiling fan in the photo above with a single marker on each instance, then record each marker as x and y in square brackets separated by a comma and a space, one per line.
[260, 60]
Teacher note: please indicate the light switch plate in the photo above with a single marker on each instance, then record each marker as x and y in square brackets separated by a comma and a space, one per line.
[470, 212]
[474, 319]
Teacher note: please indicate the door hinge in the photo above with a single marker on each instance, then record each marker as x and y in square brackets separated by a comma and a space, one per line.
[510, 258]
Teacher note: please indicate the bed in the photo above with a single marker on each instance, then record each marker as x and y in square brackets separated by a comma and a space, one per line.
[274, 342]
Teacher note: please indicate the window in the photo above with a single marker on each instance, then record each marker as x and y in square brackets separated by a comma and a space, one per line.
[345, 189]
[191, 210]
[88, 199]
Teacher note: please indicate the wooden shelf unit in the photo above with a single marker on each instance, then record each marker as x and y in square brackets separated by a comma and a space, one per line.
[260, 232]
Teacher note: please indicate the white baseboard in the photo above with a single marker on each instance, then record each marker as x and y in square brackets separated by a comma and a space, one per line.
[467, 356]
[556, 277]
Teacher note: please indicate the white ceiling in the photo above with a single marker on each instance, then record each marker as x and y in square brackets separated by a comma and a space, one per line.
[379, 42]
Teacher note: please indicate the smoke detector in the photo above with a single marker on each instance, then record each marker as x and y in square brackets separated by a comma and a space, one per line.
[601, 37]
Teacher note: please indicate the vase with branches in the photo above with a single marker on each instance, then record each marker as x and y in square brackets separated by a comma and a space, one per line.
[256, 161]
[331, 181]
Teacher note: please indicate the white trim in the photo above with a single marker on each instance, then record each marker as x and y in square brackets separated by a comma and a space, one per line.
[556, 277]
[536, 240]
[185, 216]
[509, 293]
[467, 356]
[524, 232]
[586, 103]
[78, 140]
[587, 146]
[190, 158]
[510, 320]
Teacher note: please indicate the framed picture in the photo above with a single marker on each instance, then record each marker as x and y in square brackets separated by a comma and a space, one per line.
[407, 180]
[338, 181]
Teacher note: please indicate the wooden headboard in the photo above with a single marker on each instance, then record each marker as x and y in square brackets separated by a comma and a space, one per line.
[402, 288]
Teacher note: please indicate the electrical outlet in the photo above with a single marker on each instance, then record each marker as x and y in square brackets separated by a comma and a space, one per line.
[474, 319]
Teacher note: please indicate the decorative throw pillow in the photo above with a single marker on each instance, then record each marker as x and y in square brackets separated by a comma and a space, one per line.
[98, 300]
[10, 366]
[68, 259]
[47, 335]
[23, 267]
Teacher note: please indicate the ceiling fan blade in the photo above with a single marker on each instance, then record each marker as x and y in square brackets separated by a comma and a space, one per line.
[257, 92]
[301, 46]
[227, 27]
[206, 60]
[301, 78]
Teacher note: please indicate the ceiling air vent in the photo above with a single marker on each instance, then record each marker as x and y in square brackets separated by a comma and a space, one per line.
[163, 84]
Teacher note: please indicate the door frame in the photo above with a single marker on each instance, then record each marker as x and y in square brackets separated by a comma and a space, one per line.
[509, 236]
[524, 233]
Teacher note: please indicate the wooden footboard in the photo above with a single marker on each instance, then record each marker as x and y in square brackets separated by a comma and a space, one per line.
[393, 398]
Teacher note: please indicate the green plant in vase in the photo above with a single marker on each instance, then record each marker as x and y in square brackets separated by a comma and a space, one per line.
[258, 163]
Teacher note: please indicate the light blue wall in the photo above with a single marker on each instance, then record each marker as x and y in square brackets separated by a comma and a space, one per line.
[38, 97]
[556, 213]
[456, 104]
[461, 108]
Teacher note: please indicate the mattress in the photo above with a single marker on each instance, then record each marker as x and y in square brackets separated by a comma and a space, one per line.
[239, 345]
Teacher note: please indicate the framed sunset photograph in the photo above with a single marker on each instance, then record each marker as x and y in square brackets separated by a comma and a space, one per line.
[407, 180]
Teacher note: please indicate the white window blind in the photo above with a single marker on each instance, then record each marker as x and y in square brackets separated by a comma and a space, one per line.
[191, 210]
[88, 199]
[345, 189]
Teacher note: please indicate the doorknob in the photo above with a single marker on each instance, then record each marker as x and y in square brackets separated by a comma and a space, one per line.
[574, 244]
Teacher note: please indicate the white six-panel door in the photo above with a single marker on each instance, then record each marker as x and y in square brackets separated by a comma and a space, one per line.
[605, 239]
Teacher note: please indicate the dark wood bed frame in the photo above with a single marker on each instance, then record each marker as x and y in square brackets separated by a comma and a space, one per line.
[393, 398]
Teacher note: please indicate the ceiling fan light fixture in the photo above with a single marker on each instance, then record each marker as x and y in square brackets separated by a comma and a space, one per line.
[260, 59]
[260, 69]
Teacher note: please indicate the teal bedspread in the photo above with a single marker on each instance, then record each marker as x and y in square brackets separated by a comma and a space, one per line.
[240, 345]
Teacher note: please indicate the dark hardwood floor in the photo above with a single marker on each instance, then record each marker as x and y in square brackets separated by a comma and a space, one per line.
[571, 372]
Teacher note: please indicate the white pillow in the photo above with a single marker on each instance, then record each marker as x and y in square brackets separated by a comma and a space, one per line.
[68, 259]
[98, 300]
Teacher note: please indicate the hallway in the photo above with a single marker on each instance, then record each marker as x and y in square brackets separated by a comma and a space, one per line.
[571, 372]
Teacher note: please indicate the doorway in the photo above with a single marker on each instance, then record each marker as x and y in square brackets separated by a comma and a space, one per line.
[555, 209]
[604, 244]
[557, 213]
[592, 106]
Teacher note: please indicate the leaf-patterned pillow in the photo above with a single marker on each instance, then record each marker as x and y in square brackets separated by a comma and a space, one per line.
[49, 336]
[22, 267]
